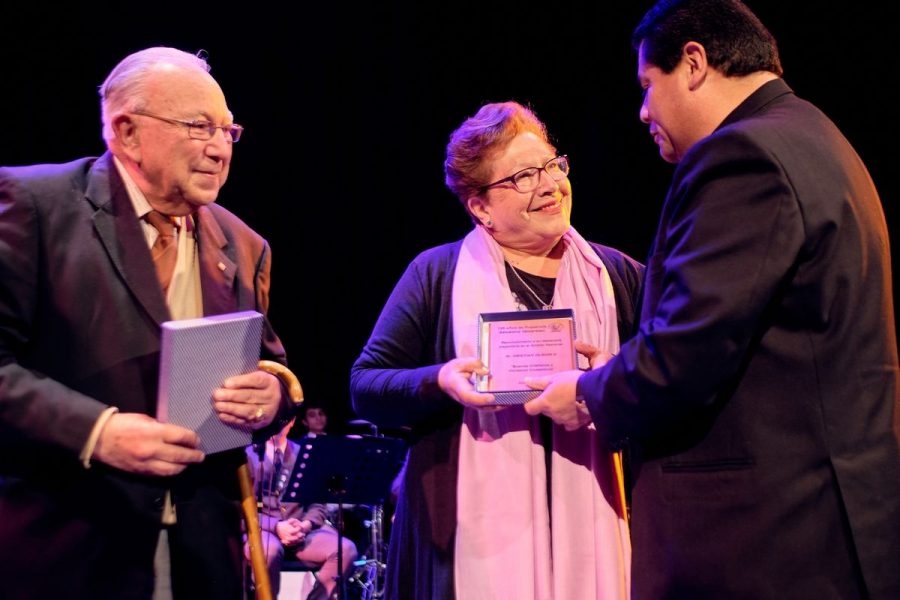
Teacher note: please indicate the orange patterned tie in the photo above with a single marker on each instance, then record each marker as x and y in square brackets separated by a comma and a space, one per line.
[165, 248]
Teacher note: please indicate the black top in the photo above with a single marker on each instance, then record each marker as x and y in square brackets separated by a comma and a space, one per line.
[542, 286]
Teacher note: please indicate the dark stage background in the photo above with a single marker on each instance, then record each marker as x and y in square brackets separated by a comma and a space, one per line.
[347, 111]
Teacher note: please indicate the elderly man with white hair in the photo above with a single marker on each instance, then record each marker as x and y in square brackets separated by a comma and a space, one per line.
[98, 499]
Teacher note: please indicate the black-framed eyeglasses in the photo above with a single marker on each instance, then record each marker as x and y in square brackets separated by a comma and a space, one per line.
[200, 130]
[529, 179]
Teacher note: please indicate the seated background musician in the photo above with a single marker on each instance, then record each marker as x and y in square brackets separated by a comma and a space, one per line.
[289, 529]
[314, 419]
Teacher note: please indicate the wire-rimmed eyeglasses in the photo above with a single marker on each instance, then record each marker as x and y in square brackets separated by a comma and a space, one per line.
[529, 179]
[200, 130]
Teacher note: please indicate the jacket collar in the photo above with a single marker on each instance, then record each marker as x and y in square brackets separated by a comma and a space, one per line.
[763, 95]
[121, 236]
[217, 265]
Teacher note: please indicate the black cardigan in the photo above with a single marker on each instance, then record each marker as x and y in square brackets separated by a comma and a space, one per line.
[394, 383]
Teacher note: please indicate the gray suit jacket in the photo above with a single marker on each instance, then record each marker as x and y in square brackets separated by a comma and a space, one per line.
[761, 389]
[266, 483]
[80, 312]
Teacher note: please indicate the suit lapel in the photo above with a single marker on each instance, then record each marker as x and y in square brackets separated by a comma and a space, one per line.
[217, 269]
[121, 236]
[290, 457]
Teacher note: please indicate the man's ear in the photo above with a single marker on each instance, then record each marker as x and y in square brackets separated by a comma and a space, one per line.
[693, 55]
[478, 207]
[127, 137]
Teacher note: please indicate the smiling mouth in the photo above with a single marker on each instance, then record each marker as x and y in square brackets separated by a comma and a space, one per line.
[547, 207]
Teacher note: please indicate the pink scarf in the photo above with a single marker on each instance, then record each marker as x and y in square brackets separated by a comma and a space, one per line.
[505, 547]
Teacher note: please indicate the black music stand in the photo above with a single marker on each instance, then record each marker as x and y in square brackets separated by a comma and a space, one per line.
[344, 470]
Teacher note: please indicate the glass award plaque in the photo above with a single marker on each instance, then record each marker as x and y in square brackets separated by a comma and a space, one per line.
[516, 345]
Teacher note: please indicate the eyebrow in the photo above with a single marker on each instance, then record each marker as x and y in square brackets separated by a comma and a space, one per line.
[543, 161]
[202, 114]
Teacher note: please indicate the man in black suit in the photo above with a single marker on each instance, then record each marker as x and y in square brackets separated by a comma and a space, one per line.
[97, 498]
[759, 398]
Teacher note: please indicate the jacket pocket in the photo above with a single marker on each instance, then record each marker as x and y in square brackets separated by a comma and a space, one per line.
[709, 482]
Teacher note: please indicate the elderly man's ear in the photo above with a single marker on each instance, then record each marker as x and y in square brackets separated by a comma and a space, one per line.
[126, 131]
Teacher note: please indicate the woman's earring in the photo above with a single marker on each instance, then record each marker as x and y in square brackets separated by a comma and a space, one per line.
[488, 223]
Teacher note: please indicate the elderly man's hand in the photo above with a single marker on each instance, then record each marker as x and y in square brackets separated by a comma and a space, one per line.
[138, 443]
[558, 400]
[455, 379]
[251, 399]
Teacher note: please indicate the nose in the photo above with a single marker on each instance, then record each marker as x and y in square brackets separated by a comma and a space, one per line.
[546, 184]
[644, 113]
[219, 145]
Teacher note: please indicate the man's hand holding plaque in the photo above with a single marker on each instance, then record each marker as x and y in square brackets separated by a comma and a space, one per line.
[559, 390]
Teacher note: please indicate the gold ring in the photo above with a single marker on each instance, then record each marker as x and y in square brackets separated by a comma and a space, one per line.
[258, 415]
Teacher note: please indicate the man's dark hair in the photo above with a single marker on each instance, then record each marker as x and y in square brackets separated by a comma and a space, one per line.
[736, 42]
[308, 406]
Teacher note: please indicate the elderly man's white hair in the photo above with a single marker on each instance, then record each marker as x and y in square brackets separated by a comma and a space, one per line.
[123, 90]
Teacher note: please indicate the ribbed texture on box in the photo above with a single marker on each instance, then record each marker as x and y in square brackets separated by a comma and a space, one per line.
[197, 355]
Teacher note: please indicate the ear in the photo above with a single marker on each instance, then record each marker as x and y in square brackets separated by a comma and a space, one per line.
[693, 56]
[478, 207]
[126, 132]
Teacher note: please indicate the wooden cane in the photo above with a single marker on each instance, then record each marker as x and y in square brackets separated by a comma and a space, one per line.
[618, 471]
[254, 535]
[248, 499]
[619, 481]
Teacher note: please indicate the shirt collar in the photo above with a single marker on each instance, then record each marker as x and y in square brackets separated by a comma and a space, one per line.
[139, 201]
